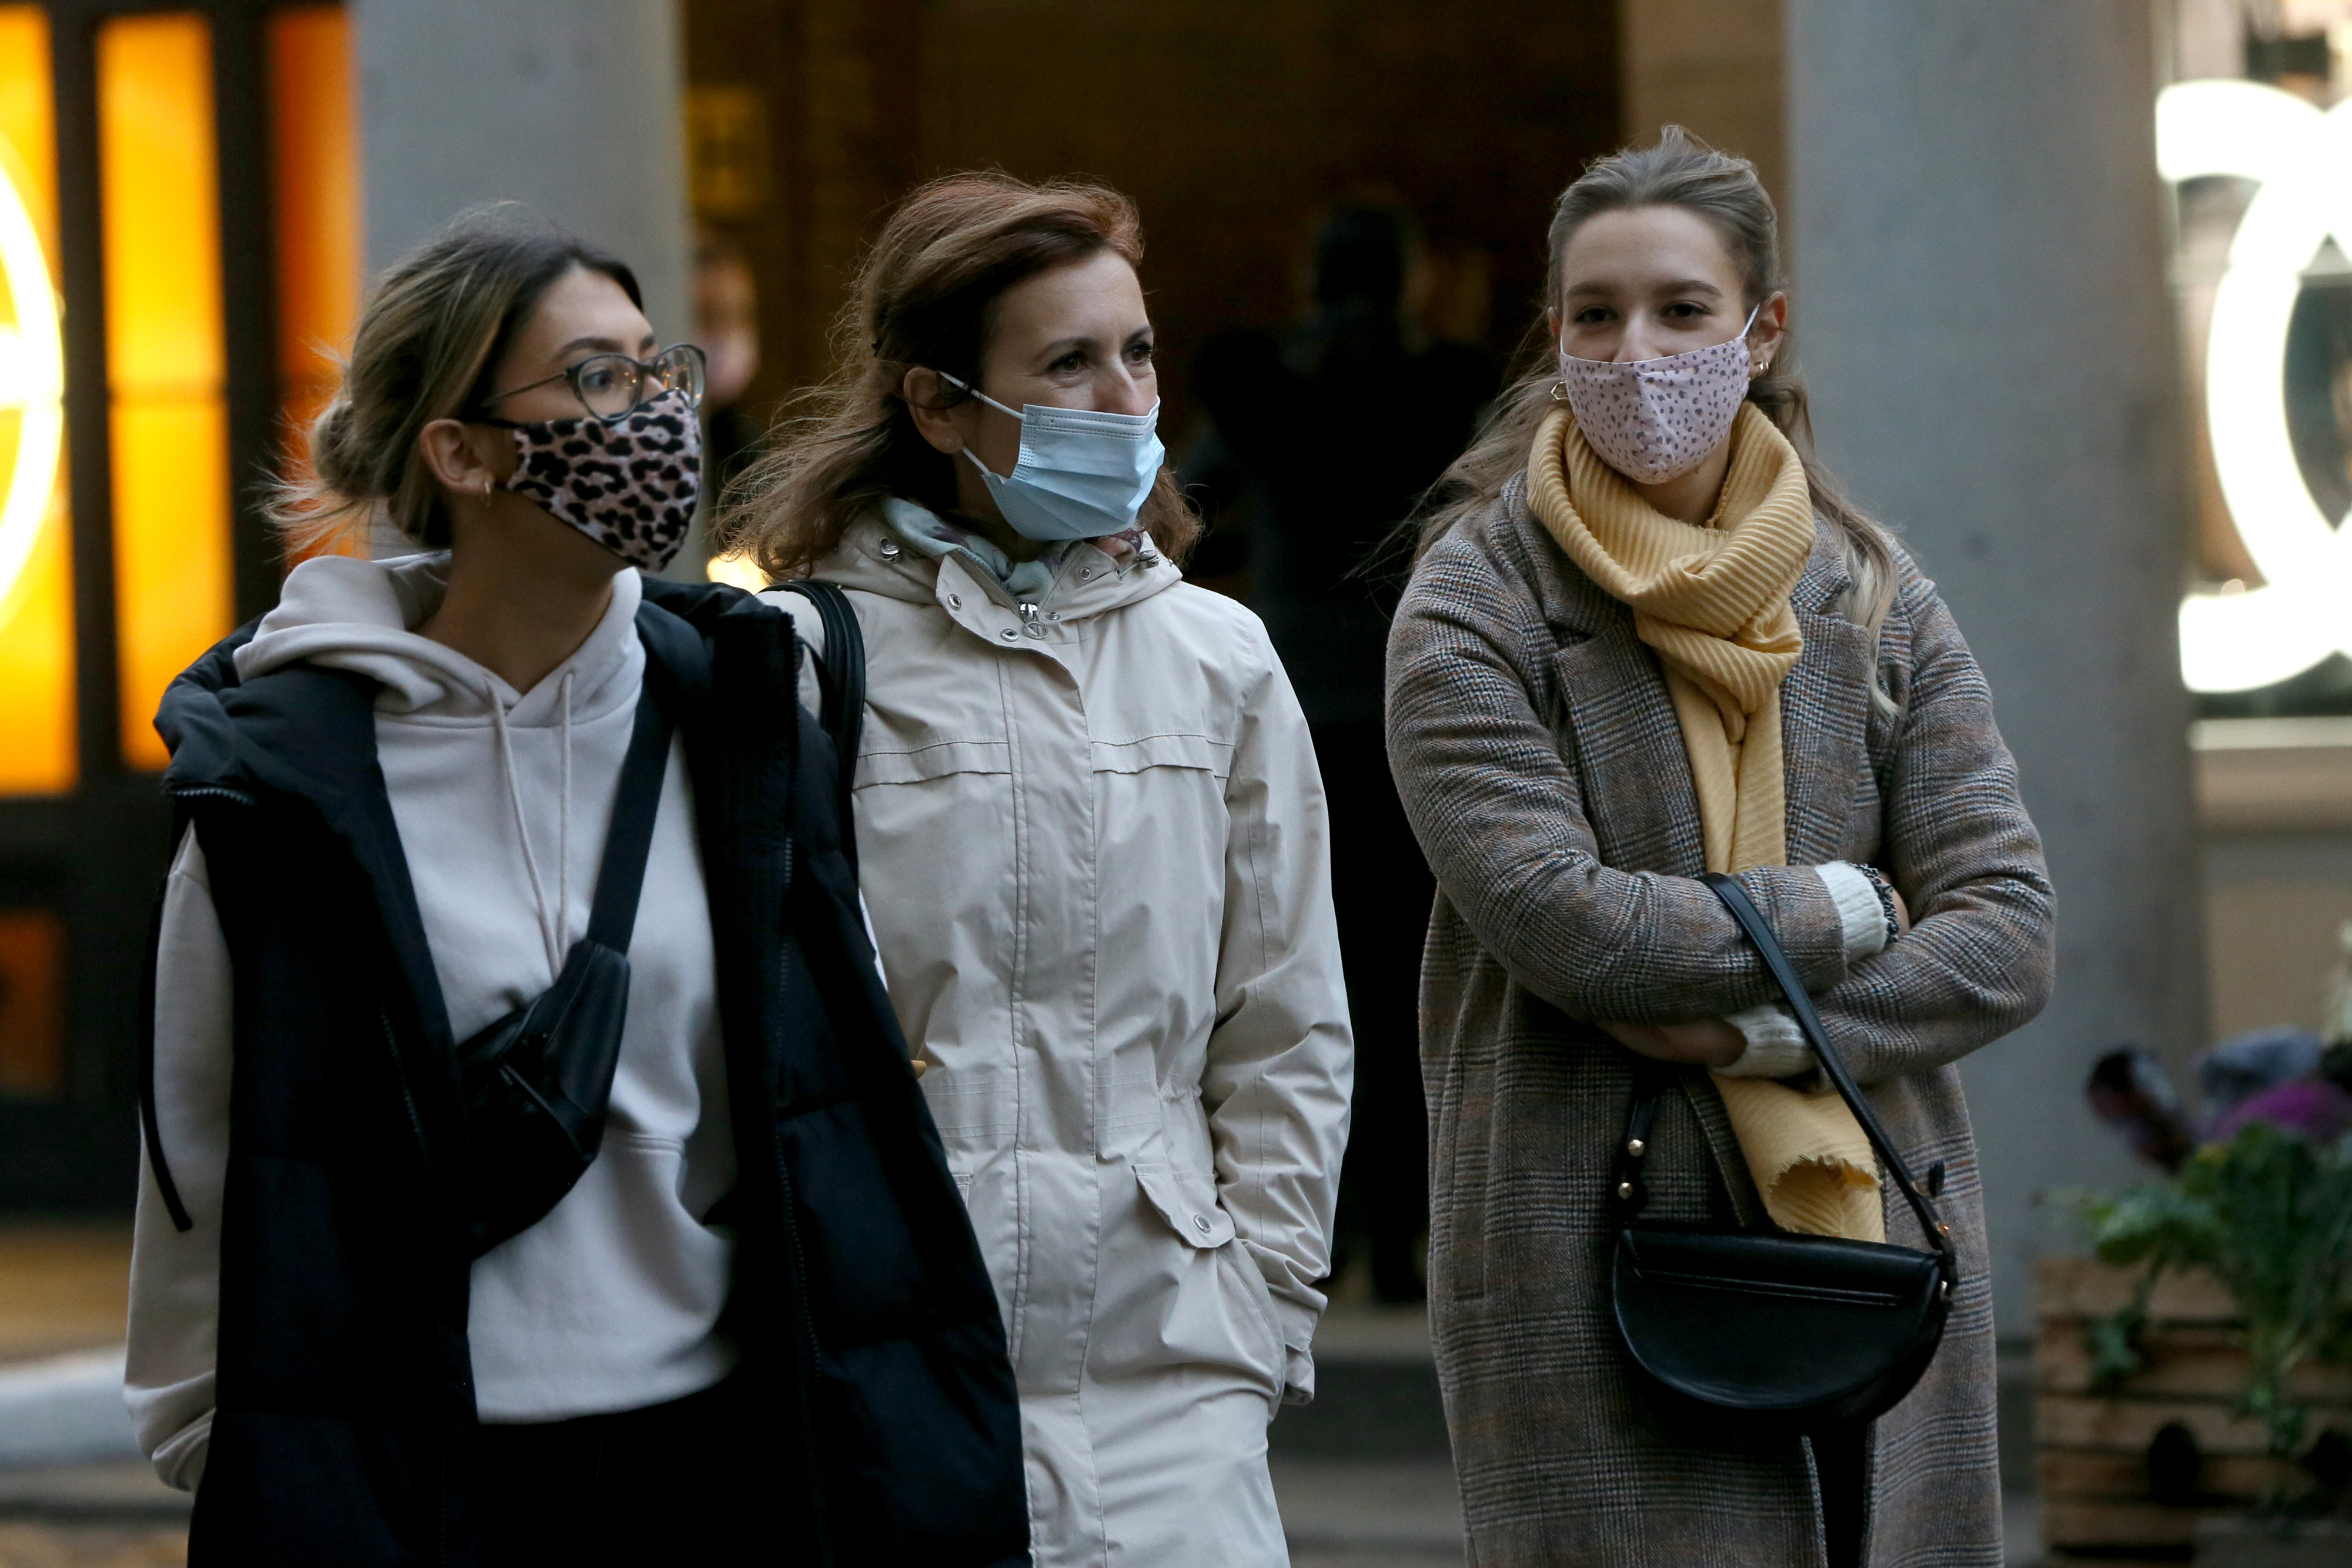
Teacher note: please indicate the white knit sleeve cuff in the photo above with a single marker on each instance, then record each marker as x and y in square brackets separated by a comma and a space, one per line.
[1859, 911]
[1776, 1046]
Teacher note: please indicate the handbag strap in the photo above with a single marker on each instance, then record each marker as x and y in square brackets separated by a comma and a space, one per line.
[1652, 1078]
[841, 675]
[620, 875]
[1801, 1002]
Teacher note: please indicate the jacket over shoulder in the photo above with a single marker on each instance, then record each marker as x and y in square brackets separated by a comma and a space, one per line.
[345, 1396]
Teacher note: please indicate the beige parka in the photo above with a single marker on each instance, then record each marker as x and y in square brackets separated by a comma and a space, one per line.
[1093, 841]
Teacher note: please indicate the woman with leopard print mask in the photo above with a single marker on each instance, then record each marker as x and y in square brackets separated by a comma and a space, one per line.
[534, 1171]
[1094, 840]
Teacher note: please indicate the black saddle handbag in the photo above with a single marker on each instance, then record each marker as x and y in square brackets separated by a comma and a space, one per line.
[534, 1087]
[1796, 1333]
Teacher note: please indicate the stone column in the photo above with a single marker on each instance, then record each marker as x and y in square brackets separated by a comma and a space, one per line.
[1983, 318]
[572, 105]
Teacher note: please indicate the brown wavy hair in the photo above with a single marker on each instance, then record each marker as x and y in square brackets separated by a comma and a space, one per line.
[1679, 172]
[924, 297]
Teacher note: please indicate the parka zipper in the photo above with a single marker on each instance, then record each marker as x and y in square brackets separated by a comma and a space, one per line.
[400, 1076]
[212, 793]
[1029, 621]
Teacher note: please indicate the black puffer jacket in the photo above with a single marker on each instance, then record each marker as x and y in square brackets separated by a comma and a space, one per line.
[345, 1409]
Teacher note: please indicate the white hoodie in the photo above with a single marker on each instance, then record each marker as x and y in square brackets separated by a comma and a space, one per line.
[502, 800]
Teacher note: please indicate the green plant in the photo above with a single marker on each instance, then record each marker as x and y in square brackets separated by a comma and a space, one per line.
[2270, 1215]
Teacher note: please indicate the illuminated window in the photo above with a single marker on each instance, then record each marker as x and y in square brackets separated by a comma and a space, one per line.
[132, 135]
[36, 663]
[314, 149]
[165, 357]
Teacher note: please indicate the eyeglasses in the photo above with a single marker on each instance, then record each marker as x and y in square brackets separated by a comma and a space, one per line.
[612, 386]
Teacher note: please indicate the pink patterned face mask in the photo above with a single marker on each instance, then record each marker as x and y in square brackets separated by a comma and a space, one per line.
[1655, 419]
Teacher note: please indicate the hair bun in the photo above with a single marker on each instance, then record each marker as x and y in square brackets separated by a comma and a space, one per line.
[335, 457]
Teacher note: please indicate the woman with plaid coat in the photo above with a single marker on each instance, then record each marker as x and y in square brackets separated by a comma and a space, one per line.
[1539, 743]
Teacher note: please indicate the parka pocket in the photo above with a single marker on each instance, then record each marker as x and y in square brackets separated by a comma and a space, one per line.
[1198, 1217]
[1248, 1301]
[934, 759]
[1171, 750]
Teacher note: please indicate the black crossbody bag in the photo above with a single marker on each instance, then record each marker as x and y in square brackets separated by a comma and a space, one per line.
[1798, 1332]
[534, 1087]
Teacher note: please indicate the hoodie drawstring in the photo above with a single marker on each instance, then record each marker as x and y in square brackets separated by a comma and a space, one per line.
[563, 816]
[551, 923]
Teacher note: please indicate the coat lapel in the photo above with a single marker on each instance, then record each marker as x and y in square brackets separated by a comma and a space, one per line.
[1824, 713]
[1626, 747]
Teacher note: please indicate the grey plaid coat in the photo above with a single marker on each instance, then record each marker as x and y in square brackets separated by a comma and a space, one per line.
[1539, 755]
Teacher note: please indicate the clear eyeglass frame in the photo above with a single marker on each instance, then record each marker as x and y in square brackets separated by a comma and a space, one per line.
[614, 386]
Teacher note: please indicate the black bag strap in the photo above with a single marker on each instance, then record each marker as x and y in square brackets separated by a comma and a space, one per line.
[1630, 1192]
[841, 677]
[620, 875]
[1776, 963]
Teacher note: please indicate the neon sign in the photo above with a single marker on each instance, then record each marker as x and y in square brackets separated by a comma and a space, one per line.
[32, 375]
[2302, 157]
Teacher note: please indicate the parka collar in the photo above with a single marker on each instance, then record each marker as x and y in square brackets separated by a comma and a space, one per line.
[1086, 583]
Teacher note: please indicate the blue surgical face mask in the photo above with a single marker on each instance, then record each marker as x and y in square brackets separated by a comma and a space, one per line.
[1081, 474]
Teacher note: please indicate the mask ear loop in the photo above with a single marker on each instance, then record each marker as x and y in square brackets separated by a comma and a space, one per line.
[1017, 415]
[990, 473]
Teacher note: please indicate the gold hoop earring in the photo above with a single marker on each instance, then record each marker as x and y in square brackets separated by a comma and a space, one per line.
[1559, 392]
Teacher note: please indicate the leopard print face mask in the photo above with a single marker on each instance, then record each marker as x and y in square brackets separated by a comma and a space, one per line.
[629, 484]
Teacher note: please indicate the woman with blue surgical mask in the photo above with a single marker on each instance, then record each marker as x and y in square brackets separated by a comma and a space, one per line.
[1093, 842]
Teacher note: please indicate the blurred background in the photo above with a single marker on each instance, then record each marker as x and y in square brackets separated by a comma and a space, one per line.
[2069, 294]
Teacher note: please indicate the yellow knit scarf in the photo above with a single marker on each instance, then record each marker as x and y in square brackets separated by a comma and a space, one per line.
[1713, 603]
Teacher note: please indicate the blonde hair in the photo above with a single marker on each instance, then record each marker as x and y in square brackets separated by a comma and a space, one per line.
[1679, 172]
[924, 297]
[435, 327]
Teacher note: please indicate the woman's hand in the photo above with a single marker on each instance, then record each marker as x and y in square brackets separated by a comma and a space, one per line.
[1703, 1042]
[1901, 910]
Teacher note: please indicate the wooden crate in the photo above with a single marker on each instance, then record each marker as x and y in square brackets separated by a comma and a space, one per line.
[2091, 1449]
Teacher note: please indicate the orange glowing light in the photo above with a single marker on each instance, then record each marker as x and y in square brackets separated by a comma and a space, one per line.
[36, 663]
[314, 152]
[166, 362]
